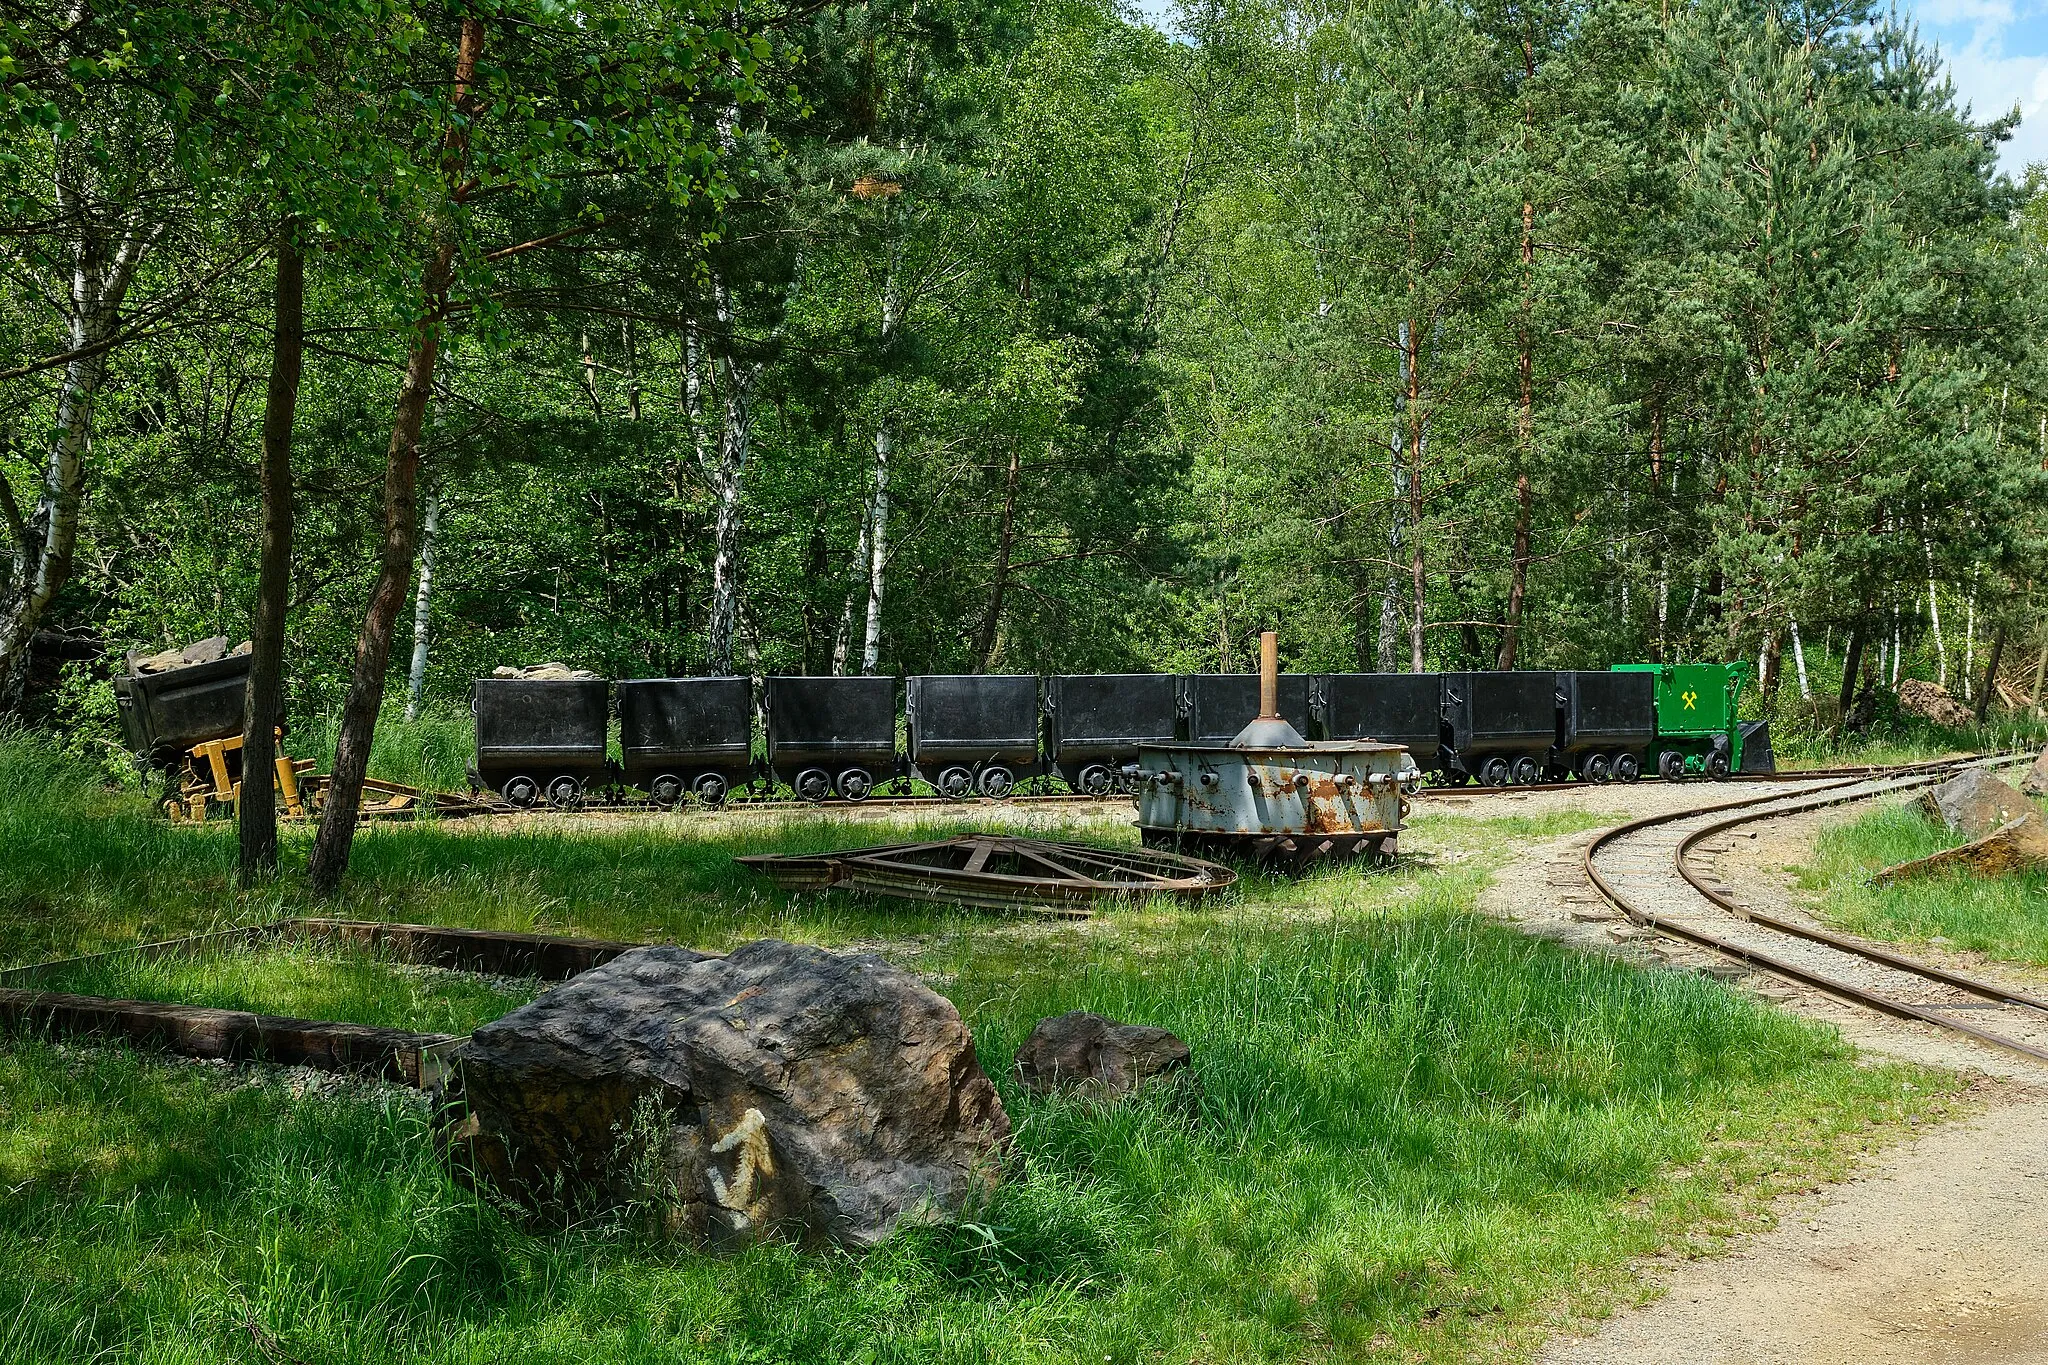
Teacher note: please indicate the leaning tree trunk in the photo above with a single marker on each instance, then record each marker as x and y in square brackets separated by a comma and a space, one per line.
[264, 704]
[1852, 664]
[46, 541]
[1991, 674]
[401, 478]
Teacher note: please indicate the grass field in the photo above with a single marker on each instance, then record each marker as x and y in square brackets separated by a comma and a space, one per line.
[1420, 1135]
[2003, 917]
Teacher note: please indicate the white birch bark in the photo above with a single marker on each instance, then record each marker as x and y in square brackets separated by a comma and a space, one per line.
[878, 515]
[1799, 664]
[842, 641]
[422, 599]
[101, 271]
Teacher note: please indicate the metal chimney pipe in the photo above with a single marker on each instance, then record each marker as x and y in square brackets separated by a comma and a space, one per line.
[1269, 675]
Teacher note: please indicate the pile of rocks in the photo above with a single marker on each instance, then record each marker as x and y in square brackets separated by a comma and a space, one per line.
[1932, 701]
[209, 650]
[547, 672]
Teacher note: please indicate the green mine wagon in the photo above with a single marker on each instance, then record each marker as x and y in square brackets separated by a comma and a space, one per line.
[1697, 730]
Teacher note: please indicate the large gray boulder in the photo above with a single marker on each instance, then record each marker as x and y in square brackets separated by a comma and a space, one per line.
[1096, 1056]
[1974, 803]
[778, 1090]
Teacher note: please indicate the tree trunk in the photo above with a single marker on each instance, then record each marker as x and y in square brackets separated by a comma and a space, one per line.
[100, 275]
[842, 641]
[1991, 674]
[878, 518]
[401, 476]
[1397, 549]
[422, 604]
[1518, 578]
[735, 444]
[263, 702]
[1852, 664]
[1525, 416]
[1415, 438]
[1799, 664]
[985, 638]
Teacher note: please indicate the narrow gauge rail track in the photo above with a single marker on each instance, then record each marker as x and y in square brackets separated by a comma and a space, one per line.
[1646, 863]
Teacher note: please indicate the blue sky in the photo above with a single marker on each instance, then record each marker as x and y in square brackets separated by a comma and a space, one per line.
[1997, 50]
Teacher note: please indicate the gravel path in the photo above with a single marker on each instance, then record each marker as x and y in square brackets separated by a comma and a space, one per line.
[1933, 1252]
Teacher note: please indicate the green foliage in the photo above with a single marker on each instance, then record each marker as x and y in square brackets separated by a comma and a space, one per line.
[2001, 917]
[1414, 1132]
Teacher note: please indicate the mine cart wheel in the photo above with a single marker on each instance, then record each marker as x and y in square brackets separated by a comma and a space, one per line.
[709, 789]
[996, 782]
[1528, 771]
[813, 784]
[855, 783]
[955, 783]
[1670, 766]
[1627, 767]
[666, 789]
[521, 791]
[1597, 768]
[1494, 772]
[564, 792]
[1095, 780]
[1717, 766]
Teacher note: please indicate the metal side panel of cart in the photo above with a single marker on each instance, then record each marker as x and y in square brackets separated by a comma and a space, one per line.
[1108, 715]
[1219, 705]
[164, 714]
[1502, 712]
[831, 721]
[685, 726]
[540, 727]
[972, 718]
[1608, 710]
[1396, 708]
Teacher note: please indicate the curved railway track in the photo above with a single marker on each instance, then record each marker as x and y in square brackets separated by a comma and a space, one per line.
[1645, 868]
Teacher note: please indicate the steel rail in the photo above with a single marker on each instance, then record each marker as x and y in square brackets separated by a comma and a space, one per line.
[1771, 963]
[1989, 990]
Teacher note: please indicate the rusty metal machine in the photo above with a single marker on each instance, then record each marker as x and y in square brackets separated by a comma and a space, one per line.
[1272, 796]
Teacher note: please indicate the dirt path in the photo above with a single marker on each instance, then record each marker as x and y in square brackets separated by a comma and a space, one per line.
[1933, 1253]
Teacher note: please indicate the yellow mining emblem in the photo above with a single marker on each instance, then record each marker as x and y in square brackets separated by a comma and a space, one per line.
[1690, 699]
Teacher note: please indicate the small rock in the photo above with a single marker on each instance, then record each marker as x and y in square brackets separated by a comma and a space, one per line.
[2035, 783]
[779, 1089]
[1088, 1053]
[1974, 803]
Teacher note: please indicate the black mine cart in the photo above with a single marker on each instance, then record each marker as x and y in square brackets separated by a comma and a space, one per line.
[1096, 721]
[1394, 708]
[1503, 725]
[1219, 705]
[165, 714]
[692, 735]
[829, 735]
[1607, 722]
[541, 736]
[972, 732]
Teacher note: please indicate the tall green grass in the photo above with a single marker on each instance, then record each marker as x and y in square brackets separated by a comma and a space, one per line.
[1417, 1135]
[2004, 917]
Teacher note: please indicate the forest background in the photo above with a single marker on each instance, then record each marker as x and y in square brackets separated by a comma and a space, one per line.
[1010, 335]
